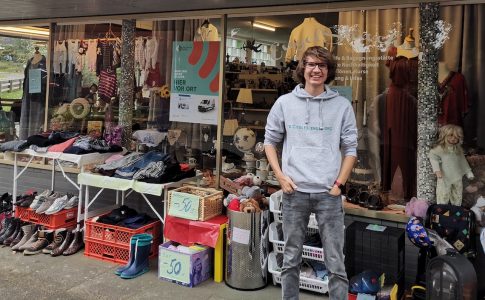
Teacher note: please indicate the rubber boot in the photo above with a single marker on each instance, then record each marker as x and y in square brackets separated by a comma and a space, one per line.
[136, 237]
[140, 261]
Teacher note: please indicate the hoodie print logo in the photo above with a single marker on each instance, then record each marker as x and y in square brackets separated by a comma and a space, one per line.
[310, 128]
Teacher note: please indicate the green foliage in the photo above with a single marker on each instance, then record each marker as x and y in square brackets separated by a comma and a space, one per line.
[13, 95]
[15, 52]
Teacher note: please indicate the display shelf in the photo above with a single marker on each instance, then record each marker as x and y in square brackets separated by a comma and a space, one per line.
[309, 252]
[316, 285]
[275, 206]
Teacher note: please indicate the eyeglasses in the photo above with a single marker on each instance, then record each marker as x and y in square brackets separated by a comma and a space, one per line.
[312, 65]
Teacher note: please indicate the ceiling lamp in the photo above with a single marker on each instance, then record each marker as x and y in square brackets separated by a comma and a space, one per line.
[25, 31]
[264, 26]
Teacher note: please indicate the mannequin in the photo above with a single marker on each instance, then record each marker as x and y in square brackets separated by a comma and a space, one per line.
[400, 122]
[33, 102]
[408, 47]
[37, 56]
[307, 34]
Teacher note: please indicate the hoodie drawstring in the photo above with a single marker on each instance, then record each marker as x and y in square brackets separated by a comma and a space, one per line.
[307, 111]
[320, 114]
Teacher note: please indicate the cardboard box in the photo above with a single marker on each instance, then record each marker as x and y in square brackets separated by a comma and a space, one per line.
[183, 268]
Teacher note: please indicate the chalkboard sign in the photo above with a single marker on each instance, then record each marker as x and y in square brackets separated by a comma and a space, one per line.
[184, 205]
[175, 266]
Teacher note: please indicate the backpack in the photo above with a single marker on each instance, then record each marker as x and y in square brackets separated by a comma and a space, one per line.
[455, 224]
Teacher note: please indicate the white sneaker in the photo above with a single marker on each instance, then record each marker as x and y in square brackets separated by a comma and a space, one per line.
[58, 205]
[73, 202]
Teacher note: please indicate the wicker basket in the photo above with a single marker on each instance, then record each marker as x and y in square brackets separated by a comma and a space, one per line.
[210, 200]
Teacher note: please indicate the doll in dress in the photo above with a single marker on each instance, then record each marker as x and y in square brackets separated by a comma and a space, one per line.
[449, 165]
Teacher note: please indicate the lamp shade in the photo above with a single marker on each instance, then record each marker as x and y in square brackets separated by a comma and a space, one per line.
[230, 127]
[245, 96]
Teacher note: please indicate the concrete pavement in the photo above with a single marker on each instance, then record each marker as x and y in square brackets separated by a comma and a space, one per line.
[78, 277]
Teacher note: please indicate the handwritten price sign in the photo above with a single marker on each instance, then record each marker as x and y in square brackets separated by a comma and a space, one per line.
[184, 205]
[174, 266]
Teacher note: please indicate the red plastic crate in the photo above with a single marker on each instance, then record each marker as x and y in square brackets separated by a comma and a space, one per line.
[117, 235]
[64, 218]
[112, 253]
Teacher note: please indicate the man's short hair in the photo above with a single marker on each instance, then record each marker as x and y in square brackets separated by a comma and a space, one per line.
[319, 53]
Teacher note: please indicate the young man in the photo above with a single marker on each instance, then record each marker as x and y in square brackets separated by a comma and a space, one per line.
[315, 125]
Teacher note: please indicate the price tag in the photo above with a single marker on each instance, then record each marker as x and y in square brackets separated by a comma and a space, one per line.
[174, 266]
[184, 205]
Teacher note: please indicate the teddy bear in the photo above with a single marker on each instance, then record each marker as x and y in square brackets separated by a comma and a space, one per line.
[249, 206]
[255, 193]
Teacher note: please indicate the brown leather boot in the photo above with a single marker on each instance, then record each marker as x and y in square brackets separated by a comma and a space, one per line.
[65, 244]
[76, 245]
[59, 236]
[45, 238]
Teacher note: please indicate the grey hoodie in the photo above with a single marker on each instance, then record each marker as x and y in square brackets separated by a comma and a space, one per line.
[313, 131]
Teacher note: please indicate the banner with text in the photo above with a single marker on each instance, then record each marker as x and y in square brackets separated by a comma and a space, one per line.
[195, 82]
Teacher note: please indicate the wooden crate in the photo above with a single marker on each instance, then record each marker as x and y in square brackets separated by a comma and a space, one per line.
[210, 201]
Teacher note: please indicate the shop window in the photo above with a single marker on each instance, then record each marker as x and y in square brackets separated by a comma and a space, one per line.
[377, 53]
[22, 49]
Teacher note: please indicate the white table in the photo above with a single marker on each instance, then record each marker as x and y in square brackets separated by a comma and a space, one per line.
[80, 160]
[126, 187]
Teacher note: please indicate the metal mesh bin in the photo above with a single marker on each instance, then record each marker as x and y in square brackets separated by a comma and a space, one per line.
[243, 252]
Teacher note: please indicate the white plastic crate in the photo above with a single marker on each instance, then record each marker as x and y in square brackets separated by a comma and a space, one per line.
[308, 252]
[306, 283]
[275, 206]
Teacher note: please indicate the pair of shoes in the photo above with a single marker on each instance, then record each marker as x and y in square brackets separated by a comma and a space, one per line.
[58, 204]
[39, 199]
[11, 225]
[138, 263]
[64, 245]
[28, 231]
[5, 203]
[44, 238]
[59, 237]
[18, 229]
[47, 202]
[76, 244]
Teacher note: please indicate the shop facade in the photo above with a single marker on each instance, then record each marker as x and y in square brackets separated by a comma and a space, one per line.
[140, 71]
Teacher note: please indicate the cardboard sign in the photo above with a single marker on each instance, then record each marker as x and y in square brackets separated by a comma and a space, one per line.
[184, 205]
[175, 266]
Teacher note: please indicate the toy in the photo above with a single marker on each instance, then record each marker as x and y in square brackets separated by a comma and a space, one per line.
[234, 205]
[229, 198]
[449, 164]
[249, 206]
[245, 180]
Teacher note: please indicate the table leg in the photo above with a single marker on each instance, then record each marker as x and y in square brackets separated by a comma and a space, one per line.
[79, 207]
[219, 255]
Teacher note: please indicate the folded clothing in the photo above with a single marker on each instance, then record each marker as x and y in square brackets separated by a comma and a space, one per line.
[16, 146]
[137, 221]
[62, 146]
[128, 171]
[117, 215]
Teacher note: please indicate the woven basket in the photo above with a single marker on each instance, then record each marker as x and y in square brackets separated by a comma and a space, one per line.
[210, 200]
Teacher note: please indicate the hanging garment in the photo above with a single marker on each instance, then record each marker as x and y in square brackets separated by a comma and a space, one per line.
[400, 126]
[140, 53]
[453, 95]
[72, 51]
[91, 55]
[33, 104]
[151, 53]
[59, 57]
[104, 57]
[207, 33]
[307, 34]
[107, 85]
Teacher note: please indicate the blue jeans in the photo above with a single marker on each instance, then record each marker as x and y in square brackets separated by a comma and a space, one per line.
[128, 171]
[330, 217]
